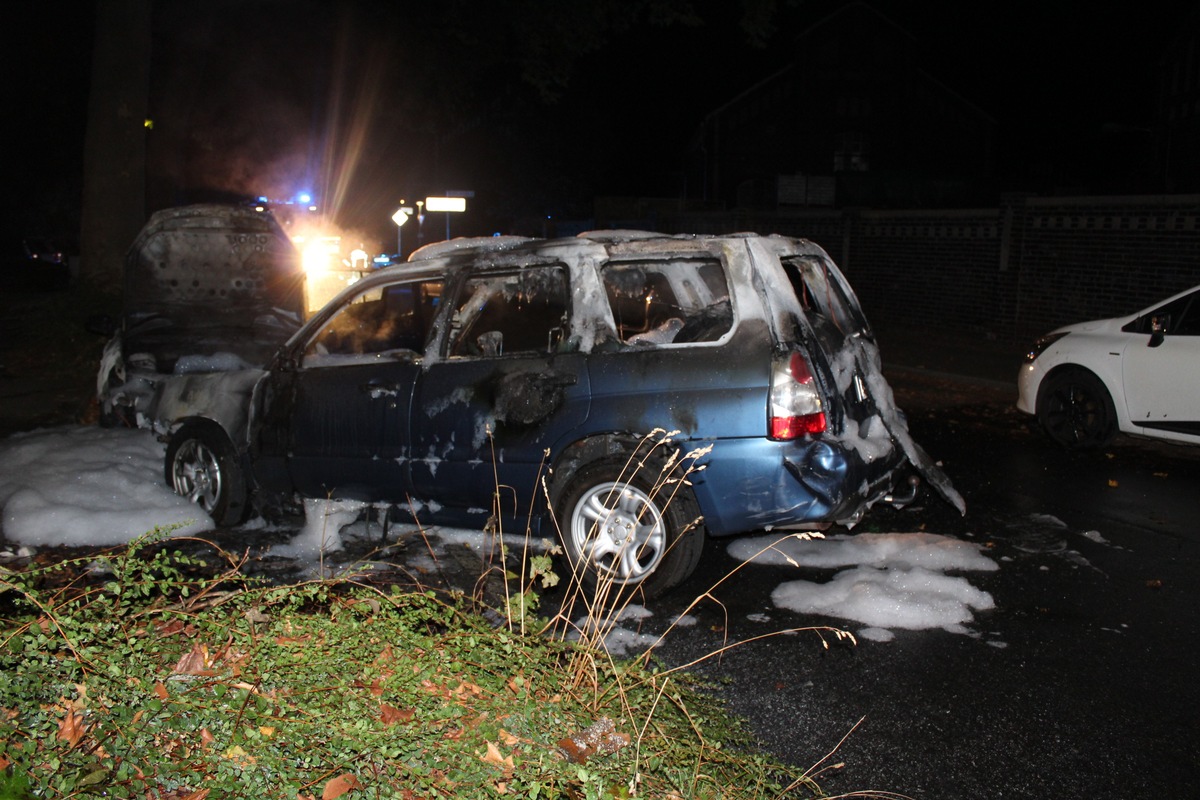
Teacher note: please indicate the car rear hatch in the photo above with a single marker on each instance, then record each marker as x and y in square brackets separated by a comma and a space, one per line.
[830, 329]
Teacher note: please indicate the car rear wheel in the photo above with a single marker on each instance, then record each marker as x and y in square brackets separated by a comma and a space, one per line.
[202, 466]
[1076, 410]
[626, 531]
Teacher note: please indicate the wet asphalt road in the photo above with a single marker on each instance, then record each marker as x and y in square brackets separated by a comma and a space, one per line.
[1079, 684]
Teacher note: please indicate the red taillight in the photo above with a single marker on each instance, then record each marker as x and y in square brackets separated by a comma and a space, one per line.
[784, 428]
[796, 407]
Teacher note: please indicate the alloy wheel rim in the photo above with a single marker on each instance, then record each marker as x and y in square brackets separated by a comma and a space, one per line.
[619, 530]
[197, 475]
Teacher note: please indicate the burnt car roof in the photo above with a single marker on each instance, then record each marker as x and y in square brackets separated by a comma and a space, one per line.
[612, 239]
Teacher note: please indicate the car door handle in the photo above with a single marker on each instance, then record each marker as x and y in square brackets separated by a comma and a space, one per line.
[555, 379]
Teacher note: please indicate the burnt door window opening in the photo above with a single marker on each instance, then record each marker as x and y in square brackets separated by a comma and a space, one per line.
[668, 301]
[393, 319]
[523, 312]
[822, 296]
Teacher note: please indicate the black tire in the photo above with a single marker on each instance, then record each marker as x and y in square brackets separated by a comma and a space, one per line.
[202, 465]
[627, 532]
[1076, 410]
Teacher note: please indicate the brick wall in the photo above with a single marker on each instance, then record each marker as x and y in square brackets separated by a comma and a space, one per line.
[1007, 273]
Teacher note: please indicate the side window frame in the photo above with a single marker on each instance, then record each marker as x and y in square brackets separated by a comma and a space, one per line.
[675, 310]
[362, 334]
[496, 287]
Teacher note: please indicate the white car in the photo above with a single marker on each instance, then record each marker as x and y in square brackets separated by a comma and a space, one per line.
[1139, 374]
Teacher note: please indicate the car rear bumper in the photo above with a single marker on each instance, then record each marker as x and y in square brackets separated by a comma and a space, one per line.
[758, 484]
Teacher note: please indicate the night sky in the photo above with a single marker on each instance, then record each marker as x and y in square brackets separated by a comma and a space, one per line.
[378, 101]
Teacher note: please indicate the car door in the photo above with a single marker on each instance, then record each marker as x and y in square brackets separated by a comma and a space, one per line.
[339, 414]
[1161, 367]
[509, 383]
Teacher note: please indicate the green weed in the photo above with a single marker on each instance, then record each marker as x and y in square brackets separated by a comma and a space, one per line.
[126, 675]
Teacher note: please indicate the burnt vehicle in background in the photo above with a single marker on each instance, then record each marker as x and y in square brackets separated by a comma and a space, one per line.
[208, 288]
[531, 380]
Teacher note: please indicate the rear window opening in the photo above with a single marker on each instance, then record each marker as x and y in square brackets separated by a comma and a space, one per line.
[822, 296]
[668, 302]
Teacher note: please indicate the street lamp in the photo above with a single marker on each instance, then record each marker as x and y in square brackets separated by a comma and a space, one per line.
[400, 217]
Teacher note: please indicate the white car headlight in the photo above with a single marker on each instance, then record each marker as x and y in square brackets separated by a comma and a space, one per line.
[1040, 345]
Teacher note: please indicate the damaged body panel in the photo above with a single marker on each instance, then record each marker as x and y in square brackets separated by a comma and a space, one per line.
[640, 390]
[208, 288]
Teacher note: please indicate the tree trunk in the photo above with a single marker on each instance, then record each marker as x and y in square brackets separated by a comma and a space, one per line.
[114, 160]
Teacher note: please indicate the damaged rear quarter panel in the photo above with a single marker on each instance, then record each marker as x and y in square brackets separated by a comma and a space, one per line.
[705, 392]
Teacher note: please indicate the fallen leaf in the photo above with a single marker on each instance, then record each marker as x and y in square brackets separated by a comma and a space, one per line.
[390, 715]
[169, 627]
[599, 738]
[492, 756]
[94, 777]
[161, 691]
[286, 640]
[468, 688]
[509, 739]
[194, 662]
[375, 687]
[339, 786]
[239, 756]
[372, 604]
[256, 617]
[79, 703]
[206, 737]
[72, 728]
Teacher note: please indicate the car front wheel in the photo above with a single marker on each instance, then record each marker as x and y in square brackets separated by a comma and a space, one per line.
[202, 466]
[1076, 410]
[627, 532]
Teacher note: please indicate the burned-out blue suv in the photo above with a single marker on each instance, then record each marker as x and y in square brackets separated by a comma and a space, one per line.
[632, 392]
